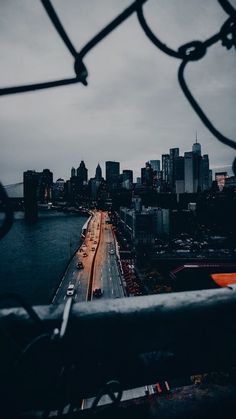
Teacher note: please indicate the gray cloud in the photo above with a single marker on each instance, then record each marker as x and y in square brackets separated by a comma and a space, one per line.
[132, 110]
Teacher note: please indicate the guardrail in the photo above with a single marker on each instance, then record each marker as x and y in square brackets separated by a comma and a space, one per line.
[135, 341]
[90, 284]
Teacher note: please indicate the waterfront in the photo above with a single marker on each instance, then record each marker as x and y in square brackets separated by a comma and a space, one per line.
[33, 258]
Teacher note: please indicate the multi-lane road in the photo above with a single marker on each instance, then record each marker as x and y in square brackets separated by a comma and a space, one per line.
[100, 267]
[98, 254]
[106, 274]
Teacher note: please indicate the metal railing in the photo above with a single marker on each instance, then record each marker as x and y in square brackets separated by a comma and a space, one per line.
[192, 51]
[133, 341]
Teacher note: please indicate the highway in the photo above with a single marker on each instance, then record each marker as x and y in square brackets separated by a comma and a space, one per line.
[106, 273]
[100, 271]
[98, 243]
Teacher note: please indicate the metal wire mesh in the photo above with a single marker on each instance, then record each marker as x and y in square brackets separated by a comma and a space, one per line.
[192, 51]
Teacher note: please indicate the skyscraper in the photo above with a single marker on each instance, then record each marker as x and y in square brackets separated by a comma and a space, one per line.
[156, 165]
[112, 174]
[73, 173]
[166, 167]
[147, 175]
[127, 179]
[192, 172]
[98, 173]
[205, 172]
[174, 153]
[196, 148]
[179, 175]
[188, 172]
[128, 175]
[82, 174]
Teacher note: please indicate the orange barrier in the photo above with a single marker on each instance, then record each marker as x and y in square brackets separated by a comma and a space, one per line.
[224, 279]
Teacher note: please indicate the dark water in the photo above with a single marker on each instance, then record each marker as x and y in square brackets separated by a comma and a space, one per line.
[34, 257]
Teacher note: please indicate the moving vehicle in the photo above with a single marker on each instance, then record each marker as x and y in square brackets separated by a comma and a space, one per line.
[70, 290]
[93, 248]
[111, 252]
[85, 254]
[97, 292]
[80, 265]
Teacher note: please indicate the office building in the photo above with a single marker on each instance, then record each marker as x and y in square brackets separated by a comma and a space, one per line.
[179, 175]
[127, 179]
[73, 172]
[59, 190]
[155, 165]
[165, 167]
[98, 173]
[112, 174]
[196, 148]
[205, 172]
[82, 174]
[174, 153]
[220, 178]
[147, 175]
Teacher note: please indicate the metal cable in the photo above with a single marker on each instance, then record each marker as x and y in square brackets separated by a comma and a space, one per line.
[191, 51]
[58, 26]
[111, 26]
[194, 51]
[79, 67]
[199, 110]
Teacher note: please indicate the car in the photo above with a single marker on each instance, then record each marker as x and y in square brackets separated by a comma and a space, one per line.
[70, 290]
[97, 292]
[111, 252]
[85, 254]
[80, 265]
[94, 242]
[93, 248]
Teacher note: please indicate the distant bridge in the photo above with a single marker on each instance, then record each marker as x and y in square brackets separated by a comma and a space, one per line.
[14, 190]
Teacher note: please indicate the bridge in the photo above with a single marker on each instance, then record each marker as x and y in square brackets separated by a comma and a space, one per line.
[60, 359]
[100, 268]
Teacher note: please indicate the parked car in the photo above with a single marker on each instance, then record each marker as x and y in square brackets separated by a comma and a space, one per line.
[85, 254]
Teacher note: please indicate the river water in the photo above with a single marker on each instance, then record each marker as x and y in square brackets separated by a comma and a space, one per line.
[34, 257]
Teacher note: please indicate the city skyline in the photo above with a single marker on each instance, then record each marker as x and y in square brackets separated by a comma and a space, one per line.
[136, 173]
[132, 104]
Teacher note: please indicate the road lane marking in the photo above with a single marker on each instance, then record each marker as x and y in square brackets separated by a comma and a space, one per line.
[112, 291]
[110, 278]
[64, 297]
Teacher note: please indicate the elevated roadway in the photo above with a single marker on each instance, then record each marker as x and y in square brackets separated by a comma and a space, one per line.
[106, 274]
[100, 266]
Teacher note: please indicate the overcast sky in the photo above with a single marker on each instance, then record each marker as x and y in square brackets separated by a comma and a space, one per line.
[132, 110]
